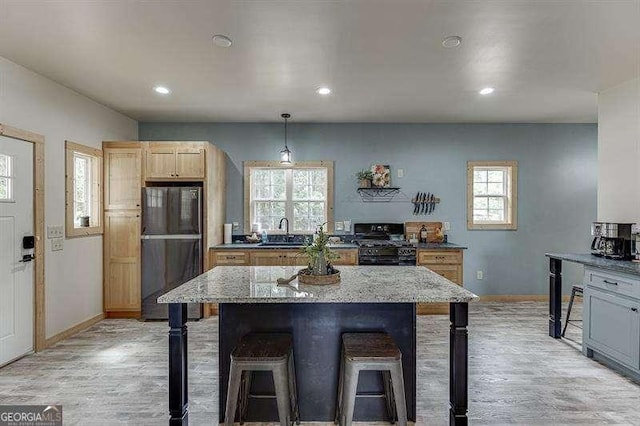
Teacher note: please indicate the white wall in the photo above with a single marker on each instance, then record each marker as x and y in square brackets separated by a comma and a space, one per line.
[619, 153]
[73, 277]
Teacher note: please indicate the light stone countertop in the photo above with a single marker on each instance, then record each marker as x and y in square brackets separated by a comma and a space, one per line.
[624, 266]
[359, 284]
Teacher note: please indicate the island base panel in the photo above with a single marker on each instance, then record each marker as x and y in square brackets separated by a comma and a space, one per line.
[555, 297]
[317, 330]
[458, 364]
[178, 386]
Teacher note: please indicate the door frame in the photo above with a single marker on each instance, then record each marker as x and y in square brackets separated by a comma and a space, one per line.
[37, 140]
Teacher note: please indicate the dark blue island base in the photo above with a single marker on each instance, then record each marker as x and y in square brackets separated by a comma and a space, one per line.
[316, 330]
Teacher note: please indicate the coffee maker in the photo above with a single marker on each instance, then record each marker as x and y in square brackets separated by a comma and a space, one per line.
[611, 240]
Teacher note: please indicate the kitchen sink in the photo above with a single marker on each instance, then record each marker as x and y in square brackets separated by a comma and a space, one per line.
[282, 243]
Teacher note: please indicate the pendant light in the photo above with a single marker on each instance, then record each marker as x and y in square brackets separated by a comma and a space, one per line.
[285, 154]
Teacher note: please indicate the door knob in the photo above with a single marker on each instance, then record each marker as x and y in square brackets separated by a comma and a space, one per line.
[27, 258]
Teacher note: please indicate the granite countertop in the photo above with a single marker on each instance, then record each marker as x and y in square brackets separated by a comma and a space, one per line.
[250, 246]
[624, 266]
[359, 284]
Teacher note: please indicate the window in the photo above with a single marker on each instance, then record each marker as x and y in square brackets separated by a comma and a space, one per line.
[84, 190]
[301, 192]
[492, 194]
[6, 178]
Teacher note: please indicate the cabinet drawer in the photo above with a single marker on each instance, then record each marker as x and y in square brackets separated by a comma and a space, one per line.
[445, 257]
[346, 257]
[614, 283]
[612, 326]
[450, 272]
[230, 258]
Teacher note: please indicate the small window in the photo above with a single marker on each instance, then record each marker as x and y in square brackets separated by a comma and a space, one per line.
[84, 190]
[6, 178]
[492, 195]
[300, 192]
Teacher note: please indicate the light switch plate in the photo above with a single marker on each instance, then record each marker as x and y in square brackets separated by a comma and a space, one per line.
[339, 226]
[56, 231]
[479, 275]
[400, 173]
[57, 244]
[446, 226]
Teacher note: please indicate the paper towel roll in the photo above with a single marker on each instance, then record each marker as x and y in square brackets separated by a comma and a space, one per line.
[227, 233]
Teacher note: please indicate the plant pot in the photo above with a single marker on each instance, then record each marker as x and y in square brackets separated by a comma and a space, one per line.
[309, 279]
[365, 183]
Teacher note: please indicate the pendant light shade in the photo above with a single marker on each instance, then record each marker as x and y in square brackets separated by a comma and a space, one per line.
[285, 154]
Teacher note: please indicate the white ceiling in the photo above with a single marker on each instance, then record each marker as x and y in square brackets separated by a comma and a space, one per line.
[382, 58]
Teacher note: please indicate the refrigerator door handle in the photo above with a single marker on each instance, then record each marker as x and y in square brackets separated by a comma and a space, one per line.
[172, 237]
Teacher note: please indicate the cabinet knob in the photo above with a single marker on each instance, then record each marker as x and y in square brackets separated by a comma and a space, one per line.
[634, 309]
[177, 175]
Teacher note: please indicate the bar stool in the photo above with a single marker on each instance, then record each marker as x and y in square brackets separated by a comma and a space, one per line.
[576, 290]
[263, 352]
[370, 351]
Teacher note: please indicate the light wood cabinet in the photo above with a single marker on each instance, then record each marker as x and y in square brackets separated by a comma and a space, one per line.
[230, 257]
[347, 257]
[447, 263]
[267, 258]
[274, 257]
[172, 160]
[122, 263]
[122, 178]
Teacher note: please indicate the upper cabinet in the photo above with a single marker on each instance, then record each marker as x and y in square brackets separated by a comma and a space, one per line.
[174, 161]
[123, 177]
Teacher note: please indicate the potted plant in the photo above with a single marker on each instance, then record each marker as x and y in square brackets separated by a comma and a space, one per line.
[320, 269]
[364, 177]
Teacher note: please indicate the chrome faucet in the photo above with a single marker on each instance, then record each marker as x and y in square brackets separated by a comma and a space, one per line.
[287, 228]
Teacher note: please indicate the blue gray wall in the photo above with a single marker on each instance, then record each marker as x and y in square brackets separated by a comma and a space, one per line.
[556, 194]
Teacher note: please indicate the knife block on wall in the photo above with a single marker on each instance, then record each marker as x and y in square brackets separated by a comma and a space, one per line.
[415, 227]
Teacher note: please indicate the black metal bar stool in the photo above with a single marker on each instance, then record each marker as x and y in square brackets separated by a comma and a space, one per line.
[262, 352]
[576, 290]
[377, 352]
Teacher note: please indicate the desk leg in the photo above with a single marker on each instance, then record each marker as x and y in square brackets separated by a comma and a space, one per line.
[555, 297]
[458, 360]
[178, 388]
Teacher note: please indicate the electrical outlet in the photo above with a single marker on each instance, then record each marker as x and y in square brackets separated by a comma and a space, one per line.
[400, 173]
[446, 226]
[57, 244]
[55, 231]
[236, 225]
[479, 275]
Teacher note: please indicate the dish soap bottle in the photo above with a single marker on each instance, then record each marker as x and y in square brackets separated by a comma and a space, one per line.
[265, 239]
[423, 234]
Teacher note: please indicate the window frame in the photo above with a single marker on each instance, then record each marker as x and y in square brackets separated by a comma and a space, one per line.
[10, 180]
[511, 222]
[249, 165]
[96, 163]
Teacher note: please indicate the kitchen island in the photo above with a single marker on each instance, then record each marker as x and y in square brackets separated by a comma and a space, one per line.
[369, 298]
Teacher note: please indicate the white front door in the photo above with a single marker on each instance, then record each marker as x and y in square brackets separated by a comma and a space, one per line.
[16, 222]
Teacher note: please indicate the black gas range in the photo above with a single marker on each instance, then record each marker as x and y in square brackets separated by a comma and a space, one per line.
[383, 244]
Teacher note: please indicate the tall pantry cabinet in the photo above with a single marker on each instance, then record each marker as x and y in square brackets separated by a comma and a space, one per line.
[130, 166]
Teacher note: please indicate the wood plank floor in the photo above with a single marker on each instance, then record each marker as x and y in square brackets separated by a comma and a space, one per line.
[116, 373]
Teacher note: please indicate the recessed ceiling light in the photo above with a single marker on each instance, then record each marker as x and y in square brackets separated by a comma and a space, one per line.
[323, 91]
[162, 90]
[487, 91]
[451, 42]
[221, 40]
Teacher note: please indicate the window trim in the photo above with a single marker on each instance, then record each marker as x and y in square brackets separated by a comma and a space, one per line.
[512, 196]
[96, 202]
[248, 165]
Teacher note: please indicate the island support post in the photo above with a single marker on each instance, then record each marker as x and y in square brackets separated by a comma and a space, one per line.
[458, 364]
[555, 297]
[178, 387]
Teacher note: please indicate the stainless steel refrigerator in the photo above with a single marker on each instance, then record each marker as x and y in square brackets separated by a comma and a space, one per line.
[171, 245]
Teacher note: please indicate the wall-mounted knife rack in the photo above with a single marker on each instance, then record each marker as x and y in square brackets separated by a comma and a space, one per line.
[424, 203]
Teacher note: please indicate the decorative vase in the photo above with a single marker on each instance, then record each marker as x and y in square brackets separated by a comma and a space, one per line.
[365, 183]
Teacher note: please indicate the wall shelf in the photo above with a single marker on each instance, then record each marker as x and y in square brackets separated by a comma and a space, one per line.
[378, 195]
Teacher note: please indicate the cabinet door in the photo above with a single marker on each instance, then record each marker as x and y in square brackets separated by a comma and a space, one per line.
[612, 326]
[267, 258]
[122, 261]
[428, 257]
[231, 257]
[346, 257]
[190, 163]
[122, 178]
[295, 258]
[161, 163]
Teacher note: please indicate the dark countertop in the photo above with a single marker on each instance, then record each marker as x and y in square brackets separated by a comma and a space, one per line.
[257, 246]
[439, 246]
[624, 266]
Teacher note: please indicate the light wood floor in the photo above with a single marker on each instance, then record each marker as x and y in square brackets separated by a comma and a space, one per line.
[116, 372]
